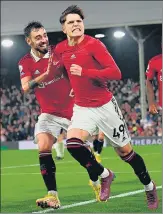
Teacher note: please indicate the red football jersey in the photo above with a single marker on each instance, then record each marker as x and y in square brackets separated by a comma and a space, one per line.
[155, 67]
[98, 66]
[52, 94]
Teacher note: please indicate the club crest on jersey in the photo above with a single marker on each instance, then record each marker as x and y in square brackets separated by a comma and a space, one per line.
[73, 56]
[37, 72]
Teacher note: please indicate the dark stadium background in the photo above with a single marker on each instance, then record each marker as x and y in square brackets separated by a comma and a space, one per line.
[124, 50]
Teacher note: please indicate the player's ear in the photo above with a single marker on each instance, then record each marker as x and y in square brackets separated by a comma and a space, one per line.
[63, 29]
[28, 41]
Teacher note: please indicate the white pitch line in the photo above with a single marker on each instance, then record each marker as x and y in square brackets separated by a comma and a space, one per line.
[64, 162]
[93, 201]
[62, 173]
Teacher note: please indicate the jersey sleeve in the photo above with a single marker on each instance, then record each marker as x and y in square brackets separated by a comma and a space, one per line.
[110, 70]
[150, 72]
[24, 70]
[102, 55]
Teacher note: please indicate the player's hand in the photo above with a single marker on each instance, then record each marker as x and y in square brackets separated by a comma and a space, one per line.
[76, 70]
[54, 66]
[153, 108]
[50, 65]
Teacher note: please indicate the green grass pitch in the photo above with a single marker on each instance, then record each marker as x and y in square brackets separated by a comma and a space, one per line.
[22, 184]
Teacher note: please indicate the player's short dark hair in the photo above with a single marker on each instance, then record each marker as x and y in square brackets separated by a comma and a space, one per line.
[73, 9]
[32, 25]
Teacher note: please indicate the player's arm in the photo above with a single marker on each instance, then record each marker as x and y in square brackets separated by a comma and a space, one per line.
[150, 91]
[27, 81]
[110, 69]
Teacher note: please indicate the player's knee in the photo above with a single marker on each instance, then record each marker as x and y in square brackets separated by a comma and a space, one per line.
[45, 142]
[124, 151]
[78, 133]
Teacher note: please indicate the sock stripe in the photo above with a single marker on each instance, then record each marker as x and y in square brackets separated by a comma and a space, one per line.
[73, 146]
[74, 140]
[75, 143]
[46, 153]
[128, 157]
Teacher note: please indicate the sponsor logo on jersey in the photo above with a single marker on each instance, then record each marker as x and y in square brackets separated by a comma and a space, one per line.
[44, 84]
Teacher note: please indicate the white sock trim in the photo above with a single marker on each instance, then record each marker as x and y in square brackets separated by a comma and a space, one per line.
[53, 192]
[95, 183]
[105, 173]
[149, 187]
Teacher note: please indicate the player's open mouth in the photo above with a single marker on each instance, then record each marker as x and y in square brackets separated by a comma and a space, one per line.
[77, 29]
[43, 46]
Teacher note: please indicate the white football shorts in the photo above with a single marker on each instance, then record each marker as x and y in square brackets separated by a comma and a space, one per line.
[108, 118]
[48, 123]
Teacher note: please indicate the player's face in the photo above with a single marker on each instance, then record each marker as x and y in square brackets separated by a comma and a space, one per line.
[73, 26]
[38, 40]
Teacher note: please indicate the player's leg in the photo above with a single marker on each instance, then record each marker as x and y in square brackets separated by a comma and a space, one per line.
[116, 130]
[59, 146]
[82, 126]
[101, 142]
[98, 145]
[45, 135]
[94, 149]
[95, 143]
[136, 161]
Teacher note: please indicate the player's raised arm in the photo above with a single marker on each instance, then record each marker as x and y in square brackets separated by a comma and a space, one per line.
[150, 91]
[110, 69]
[27, 81]
[151, 97]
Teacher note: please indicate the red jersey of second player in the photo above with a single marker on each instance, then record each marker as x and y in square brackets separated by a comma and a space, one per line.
[52, 94]
[155, 67]
[90, 88]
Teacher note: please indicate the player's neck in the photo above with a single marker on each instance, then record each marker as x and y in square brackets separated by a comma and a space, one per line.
[38, 54]
[75, 41]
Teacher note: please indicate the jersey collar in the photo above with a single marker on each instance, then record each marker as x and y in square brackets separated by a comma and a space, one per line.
[36, 58]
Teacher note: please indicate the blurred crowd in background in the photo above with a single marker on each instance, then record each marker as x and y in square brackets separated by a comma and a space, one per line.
[19, 112]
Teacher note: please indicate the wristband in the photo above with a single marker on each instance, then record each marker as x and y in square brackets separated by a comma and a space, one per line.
[32, 84]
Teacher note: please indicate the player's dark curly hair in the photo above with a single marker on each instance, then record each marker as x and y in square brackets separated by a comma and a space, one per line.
[73, 9]
[32, 25]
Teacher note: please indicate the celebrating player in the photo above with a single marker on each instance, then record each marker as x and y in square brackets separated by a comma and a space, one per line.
[52, 93]
[89, 66]
[154, 68]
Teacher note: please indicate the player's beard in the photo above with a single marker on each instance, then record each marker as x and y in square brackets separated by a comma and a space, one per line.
[42, 51]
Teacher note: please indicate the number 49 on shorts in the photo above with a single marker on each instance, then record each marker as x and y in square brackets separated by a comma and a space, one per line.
[121, 129]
